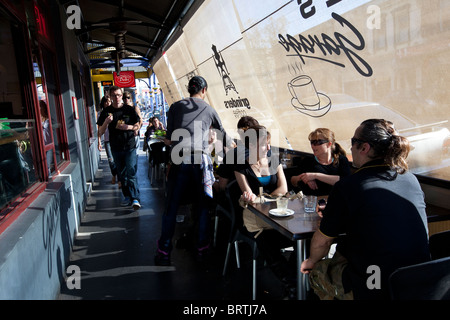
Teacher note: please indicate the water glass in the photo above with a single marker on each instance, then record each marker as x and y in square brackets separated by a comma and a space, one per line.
[282, 204]
[310, 203]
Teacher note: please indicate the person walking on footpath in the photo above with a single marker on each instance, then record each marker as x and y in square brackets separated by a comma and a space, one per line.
[106, 102]
[122, 121]
[188, 123]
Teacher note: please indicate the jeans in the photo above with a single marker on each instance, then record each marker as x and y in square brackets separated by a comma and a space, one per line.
[127, 171]
[112, 164]
[185, 180]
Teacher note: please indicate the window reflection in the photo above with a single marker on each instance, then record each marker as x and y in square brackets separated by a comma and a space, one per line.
[17, 171]
[17, 131]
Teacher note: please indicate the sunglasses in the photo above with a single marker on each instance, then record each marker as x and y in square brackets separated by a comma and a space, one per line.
[356, 140]
[318, 142]
[125, 97]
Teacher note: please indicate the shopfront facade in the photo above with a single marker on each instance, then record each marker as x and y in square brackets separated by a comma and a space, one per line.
[48, 146]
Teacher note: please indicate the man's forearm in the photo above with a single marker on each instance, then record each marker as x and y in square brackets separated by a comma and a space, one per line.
[320, 246]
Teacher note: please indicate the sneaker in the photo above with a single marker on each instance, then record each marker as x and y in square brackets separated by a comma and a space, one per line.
[136, 205]
[162, 258]
[203, 252]
[125, 202]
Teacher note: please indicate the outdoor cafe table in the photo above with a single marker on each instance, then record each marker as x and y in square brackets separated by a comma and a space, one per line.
[298, 227]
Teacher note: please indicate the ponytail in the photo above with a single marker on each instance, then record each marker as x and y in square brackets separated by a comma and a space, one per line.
[386, 143]
[336, 152]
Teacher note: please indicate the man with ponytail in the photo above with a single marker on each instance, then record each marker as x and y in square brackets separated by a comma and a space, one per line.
[381, 210]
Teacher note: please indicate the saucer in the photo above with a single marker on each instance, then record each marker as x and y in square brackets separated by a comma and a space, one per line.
[278, 213]
[323, 107]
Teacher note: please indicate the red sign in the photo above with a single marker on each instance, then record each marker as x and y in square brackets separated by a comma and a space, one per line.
[125, 80]
[41, 22]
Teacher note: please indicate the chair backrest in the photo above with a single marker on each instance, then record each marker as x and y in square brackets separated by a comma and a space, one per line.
[424, 281]
[232, 196]
[440, 245]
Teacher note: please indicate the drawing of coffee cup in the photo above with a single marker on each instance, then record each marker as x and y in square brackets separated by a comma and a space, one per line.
[303, 90]
[306, 99]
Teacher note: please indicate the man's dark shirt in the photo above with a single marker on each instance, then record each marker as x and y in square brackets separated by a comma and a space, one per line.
[120, 139]
[382, 215]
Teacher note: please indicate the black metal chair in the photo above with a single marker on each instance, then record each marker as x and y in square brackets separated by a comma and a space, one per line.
[424, 281]
[157, 160]
[238, 233]
[440, 245]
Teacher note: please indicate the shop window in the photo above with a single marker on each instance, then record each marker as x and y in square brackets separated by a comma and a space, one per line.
[33, 143]
[49, 107]
[18, 148]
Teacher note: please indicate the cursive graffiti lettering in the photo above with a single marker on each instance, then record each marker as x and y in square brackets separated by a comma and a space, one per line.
[306, 47]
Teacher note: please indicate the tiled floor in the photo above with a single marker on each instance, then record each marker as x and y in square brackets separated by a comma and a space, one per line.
[115, 250]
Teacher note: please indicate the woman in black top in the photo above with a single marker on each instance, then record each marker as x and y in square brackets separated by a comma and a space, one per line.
[317, 175]
[257, 175]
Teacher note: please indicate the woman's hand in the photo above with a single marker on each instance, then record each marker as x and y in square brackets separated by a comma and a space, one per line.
[307, 176]
[309, 179]
[248, 196]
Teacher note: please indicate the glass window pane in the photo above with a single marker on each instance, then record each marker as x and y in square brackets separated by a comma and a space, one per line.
[52, 96]
[17, 168]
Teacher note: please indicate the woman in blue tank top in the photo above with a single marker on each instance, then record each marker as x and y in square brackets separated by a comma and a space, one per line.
[261, 174]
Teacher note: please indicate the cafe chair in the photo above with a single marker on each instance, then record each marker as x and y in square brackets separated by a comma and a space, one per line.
[157, 161]
[238, 233]
[424, 281]
[440, 245]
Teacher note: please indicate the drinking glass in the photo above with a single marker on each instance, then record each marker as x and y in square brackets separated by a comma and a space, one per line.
[282, 204]
[310, 203]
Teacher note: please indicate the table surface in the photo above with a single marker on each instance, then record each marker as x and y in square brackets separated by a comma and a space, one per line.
[300, 225]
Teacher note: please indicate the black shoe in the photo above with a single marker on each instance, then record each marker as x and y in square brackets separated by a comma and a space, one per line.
[203, 252]
[162, 258]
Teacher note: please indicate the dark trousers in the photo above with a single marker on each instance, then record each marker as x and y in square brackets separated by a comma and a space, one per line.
[185, 180]
[270, 242]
